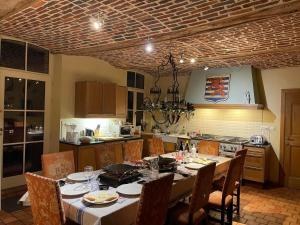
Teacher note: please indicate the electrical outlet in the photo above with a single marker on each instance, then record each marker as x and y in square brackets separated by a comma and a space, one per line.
[272, 128]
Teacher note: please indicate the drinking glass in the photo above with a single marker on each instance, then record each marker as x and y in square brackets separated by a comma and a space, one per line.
[154, 169]
[88, 173]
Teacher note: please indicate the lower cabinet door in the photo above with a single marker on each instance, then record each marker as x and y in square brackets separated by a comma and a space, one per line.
[254, 174]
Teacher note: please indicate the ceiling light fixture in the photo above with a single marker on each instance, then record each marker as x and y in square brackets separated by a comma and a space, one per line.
[206, 68]
[148, 46]
[98, 22]
[181, 60]
[173, 107]
[193, 60]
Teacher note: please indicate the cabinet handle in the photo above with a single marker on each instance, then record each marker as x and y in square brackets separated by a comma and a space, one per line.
[253, 168]
[1, 131]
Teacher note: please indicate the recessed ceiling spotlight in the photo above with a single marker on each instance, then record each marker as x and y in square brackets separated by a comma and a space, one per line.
[181, 60]
[206, 68]
[149, 46]
[193, 60]
[98, 22]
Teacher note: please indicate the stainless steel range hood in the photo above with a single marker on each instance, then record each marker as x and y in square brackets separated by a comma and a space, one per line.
[233, 87]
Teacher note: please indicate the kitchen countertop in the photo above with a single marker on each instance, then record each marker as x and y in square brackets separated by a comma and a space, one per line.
[102, 141]
[258, 146]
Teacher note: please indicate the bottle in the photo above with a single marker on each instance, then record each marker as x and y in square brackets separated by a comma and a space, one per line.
[187, 148]
[193, 150]
[181, 146]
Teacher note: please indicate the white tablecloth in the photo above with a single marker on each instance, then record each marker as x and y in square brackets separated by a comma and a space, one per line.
[123, 212]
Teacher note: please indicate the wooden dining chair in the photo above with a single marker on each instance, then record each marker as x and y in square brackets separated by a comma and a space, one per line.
[242, 153]
[194, 213]
[208, 147]
[110, 153]
[223, 200]
[156, 146]
[132, 150]
[219, 183]
[58, 165]
[154, 201]
[45, 200]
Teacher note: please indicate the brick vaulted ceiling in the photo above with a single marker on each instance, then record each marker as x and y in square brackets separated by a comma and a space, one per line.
[218, 33]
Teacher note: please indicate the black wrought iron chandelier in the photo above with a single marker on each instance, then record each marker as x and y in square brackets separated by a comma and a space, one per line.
[172, 108]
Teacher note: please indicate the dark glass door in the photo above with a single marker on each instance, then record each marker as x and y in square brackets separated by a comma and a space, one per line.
[23, 125]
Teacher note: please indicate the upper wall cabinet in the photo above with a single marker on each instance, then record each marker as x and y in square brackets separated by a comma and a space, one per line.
[88, 98]
[13, 54]
[95, 99]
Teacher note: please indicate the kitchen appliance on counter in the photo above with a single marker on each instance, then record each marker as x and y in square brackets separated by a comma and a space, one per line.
[126, 130]
[89, 132]
[71, 135]
[258, 140]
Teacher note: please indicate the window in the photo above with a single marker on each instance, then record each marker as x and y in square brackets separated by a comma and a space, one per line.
[37, 59]
[24, 114]
[13, 54]
[135, 83]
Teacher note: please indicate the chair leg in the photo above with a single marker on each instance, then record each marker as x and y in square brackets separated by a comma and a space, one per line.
[223, 215]
[230, 213]
[238, 199]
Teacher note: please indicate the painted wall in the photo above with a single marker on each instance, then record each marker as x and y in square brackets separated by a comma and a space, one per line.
[68, 70]
[244, 123]
[241, 80]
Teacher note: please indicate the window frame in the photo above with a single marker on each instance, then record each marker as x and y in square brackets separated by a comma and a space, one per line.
[26, 55]
[134, 110]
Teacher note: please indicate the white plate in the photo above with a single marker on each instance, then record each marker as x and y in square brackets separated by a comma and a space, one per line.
[178, 176]
[78, 176]
[104, 194]
[130, 189]
[74, 189]
[149, 158]
[193, 166]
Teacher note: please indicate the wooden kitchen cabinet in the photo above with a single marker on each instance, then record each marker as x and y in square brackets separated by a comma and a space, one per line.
[121, 101]
[88, 98]
[114, 100]
[256, 166]
[96, 99]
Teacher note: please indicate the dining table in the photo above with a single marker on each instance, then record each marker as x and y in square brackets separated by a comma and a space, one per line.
[124, 210]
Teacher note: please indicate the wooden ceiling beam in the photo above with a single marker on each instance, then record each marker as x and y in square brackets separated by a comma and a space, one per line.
[225, 23]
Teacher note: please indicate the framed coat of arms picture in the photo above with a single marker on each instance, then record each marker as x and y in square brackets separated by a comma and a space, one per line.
[217, 88]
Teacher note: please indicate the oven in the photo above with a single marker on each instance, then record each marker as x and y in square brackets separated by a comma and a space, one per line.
[229, 146]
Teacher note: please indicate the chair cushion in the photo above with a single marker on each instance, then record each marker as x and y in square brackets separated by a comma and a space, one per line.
[179, 215]
[215, 199]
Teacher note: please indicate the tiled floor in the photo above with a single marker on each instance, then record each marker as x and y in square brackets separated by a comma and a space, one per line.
[259, 207]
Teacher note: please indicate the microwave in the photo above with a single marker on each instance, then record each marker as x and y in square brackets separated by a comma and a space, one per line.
[126, 130]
